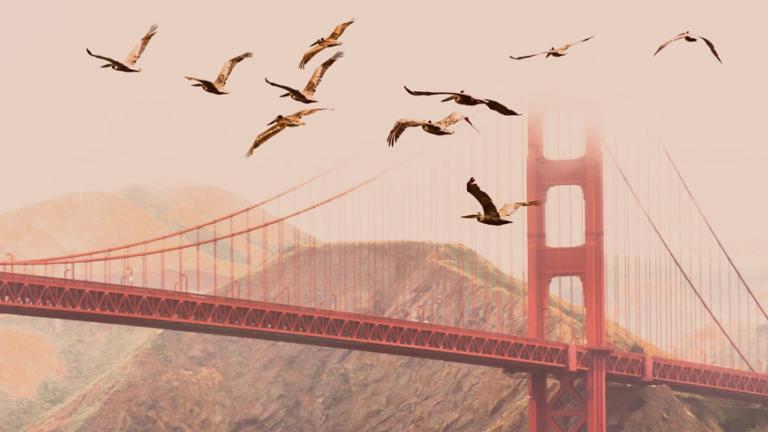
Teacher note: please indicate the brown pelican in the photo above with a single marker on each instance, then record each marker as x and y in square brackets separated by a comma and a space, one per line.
[279, 123]
[462, 98]
[307, 95]
[127, 64]
[491, 216]
[690, 38]
[437, 128]
[554, 52]
[217, 87]
[323, 43]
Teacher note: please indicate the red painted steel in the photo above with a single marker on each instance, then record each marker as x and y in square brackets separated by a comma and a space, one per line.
[580, 370]
[584, 261]
[184, 311]
[177, 310]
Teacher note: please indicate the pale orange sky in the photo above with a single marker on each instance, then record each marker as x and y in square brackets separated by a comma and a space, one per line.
[69, 126]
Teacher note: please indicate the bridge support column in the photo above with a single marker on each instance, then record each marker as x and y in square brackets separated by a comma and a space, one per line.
[579, 403]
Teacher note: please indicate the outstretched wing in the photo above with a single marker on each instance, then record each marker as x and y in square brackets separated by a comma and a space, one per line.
[499, 107]
[267, 134]
[340, 29]
[200, 80]
[308, 111]
[509, 208]
[400, 127]
[113, 61]
[139, 48]
[284, 87]
[664, 45]
[489, 209]
[228, 66]
[711, 47]
[528, 56]
[566, 46]
[317, 76]
[428, 93]
[452, 119]
[309, 54]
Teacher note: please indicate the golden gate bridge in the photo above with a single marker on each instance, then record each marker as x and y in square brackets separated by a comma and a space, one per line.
[623, 280]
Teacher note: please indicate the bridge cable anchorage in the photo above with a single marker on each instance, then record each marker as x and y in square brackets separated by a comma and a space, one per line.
[674, 258]
[57, 259]
[712, 231]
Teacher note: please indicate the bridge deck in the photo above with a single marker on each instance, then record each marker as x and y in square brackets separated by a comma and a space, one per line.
[173, 310]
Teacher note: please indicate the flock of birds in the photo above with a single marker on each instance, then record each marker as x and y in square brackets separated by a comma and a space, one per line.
[491, 215]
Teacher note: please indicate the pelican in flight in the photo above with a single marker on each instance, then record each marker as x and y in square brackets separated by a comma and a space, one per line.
[554, 52]
[217, 87]
[437, 128]
[331, 41]
[127, 64]
[307, 95]
[490, 215]
[278, 124]
[462, 98]
[690, 38]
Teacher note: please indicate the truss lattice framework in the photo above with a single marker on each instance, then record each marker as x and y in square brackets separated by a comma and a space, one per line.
[117, 304]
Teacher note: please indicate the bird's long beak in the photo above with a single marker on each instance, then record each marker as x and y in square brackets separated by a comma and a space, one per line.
[470, 123]
[447, 99]
[273, 121]
[285, 95]
[471, 216]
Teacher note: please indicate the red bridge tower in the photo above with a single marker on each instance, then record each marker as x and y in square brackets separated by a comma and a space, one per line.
[579, 404]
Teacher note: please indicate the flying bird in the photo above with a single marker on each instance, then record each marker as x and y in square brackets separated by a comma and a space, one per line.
[490, 215]
[331, 41]
[462, 98]
[690, 38]
[554, 52]
[437, 128]
[278, 124]
[127, 65]
[217, 87]
[307, 95]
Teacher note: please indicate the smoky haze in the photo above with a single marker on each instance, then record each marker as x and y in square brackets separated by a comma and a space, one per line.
[69, 126]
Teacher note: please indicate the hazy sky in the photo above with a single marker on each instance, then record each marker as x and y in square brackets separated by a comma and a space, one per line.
[70, 126]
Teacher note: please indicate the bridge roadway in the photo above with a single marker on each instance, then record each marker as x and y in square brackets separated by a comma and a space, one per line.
[173, 310]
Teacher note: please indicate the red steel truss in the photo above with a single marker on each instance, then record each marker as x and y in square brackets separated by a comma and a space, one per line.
[174, 310]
